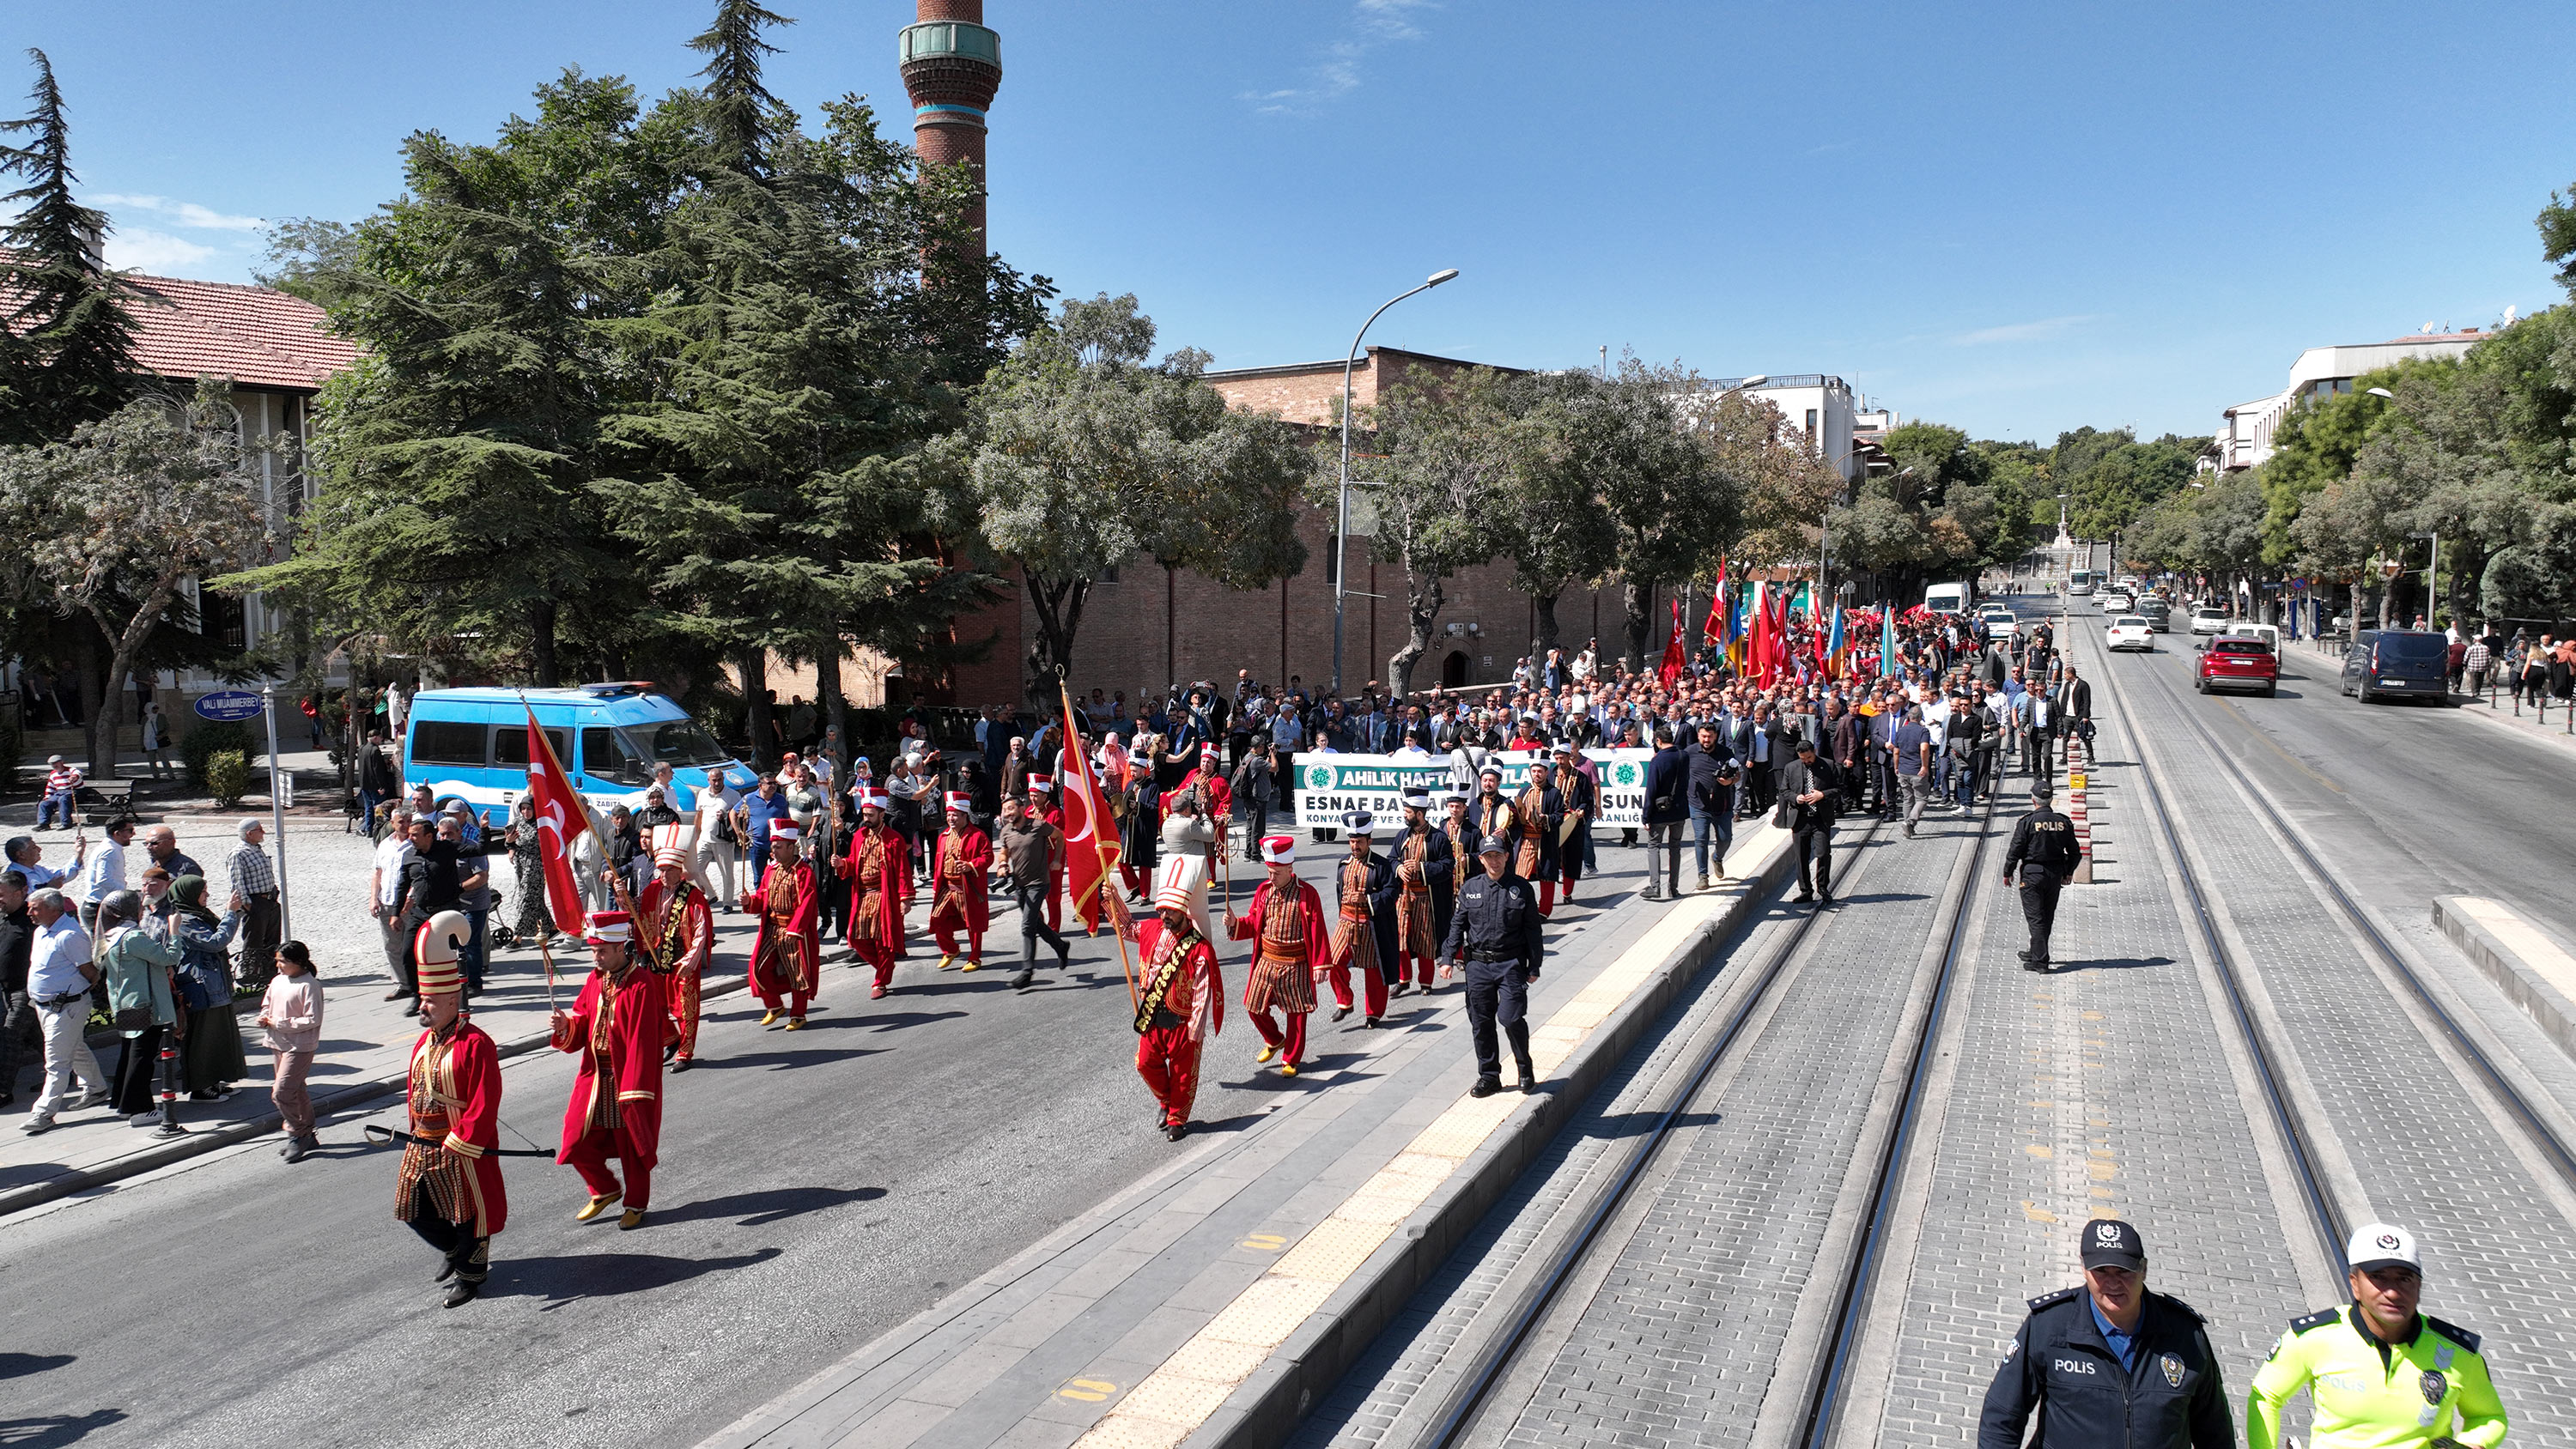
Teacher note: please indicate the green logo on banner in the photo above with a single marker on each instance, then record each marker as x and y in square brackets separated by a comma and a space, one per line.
[1319, 777]
[1625, 773]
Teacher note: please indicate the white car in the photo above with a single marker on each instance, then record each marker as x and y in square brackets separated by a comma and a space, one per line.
[2131, 631]
[1999, 624]
[2119, 601]
[2206, 620]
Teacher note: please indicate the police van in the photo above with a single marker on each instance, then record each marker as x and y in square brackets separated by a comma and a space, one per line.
[473, 744]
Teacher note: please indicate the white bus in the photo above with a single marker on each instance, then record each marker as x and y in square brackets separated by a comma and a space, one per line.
[2081, 581]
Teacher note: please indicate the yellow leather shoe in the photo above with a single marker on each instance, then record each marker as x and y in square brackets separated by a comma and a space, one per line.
[596, 1206]
[946, 961]
[1266, 1054]
[767, 1017]
[971, 965]
[795, 1023]
[630, 1219]
[1288, 1069]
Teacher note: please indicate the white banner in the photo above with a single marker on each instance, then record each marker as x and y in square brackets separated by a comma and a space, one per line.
[1330, 785]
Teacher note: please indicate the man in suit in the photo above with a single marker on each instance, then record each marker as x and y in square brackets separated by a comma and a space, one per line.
[1809, 786]
[2074, 708]
[1668, 808]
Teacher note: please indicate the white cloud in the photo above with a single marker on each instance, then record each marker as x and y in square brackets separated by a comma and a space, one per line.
[1337, 74]
[152, 251]
[179, 213]
[2044, 328]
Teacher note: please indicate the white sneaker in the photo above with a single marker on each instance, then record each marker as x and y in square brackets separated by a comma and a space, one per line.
[89, 1100]
[37, 1126]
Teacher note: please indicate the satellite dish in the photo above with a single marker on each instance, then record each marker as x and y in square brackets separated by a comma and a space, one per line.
[2508, 314]
[2428, 327]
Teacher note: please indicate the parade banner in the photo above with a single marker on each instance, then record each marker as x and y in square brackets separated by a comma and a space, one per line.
[1329, 785]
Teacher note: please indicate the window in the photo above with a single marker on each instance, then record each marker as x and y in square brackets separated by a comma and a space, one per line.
[447, 742]
[605, 756]
[1811, 422]
[223, 619]
[510, 745]
[681, 742]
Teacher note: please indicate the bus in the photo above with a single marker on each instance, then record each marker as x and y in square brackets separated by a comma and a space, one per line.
[2081, 581]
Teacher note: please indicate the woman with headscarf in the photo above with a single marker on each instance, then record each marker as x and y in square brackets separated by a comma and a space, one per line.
[210, 1057]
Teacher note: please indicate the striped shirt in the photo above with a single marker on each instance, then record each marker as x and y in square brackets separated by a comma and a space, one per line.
[61, 778]
[249, 870]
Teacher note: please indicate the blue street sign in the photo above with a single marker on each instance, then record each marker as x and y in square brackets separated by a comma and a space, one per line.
[229, 704]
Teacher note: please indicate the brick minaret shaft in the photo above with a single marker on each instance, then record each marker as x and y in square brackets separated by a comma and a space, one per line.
[952, 65]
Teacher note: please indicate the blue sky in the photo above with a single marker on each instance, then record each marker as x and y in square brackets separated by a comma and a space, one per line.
[2015, 218]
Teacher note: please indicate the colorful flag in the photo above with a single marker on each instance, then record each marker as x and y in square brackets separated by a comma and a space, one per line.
[1833, 651]
[1671, 668]
[560, 817]
[1720, 628]
[1090, 832]
[1887, 665]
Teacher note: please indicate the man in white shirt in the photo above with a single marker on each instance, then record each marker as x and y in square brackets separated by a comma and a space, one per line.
[716, 800]
[384, 892]
[59, 974]
[106, 870]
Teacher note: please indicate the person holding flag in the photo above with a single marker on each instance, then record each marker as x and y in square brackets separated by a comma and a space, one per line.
[787, 953]
[617, 1028]
[1090, 832]
[959, 859]
[1181, 1005]
[680, 932]
[879, 870]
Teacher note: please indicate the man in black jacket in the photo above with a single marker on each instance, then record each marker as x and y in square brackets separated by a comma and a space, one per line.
[2044, 853]
[2074, 709]
[17, 945]
[1712, 774]
[1809, 785]
[1668, 807]
[2109, 1363]
[1495, 938]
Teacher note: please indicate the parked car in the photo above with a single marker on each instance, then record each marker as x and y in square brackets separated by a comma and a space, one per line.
[2238, 661]
[2403, 663]
[2130, 631]
[2157, 613]
[2208, 619]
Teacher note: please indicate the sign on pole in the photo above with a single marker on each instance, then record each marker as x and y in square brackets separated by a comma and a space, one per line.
[229, 704]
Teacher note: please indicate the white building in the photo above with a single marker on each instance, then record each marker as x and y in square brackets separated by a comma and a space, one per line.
[1820, 406]
[2244, 436]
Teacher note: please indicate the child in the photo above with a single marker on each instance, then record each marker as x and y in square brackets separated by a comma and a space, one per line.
[292, 1012]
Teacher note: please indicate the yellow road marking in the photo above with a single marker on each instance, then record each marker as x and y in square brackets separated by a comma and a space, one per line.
[1089, 1391]
[2038, 1150]
[1264, 1242]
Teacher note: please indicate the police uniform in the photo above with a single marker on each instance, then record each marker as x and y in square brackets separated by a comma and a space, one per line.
[2043, 855]
[2061, 1364]
[2432, 1388]
[1495, 930]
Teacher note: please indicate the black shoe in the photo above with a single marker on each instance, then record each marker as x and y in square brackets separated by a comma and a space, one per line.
[1529, 1079]
[460, 1293]
[1824, 898]
[1485, 1087]
[2039, 966]
[2023, 956]
[1371, 1023]
[1064, 953]
[1399, 989]
[1176, 1131]
[1803, 897]
[1024, 980]
[1340, 1011]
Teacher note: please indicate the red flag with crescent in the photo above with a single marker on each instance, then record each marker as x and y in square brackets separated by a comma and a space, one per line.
[1673, 662]
[1091, 843]
[560, 818]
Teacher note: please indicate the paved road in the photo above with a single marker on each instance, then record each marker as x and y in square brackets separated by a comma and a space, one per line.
[815, 1190]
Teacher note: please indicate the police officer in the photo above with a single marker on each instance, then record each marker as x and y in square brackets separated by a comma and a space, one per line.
[2378, 1371]
[2043, 855]
[2109, 1362]
[1494, 934]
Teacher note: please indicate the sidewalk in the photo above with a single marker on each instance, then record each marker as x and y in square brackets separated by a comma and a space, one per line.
[2501, 713]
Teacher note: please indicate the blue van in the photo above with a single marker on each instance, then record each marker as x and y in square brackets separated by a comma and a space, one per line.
[2384, 664]
[473, 744]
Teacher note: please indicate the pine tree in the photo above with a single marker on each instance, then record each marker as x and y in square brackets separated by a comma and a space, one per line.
[66, 337]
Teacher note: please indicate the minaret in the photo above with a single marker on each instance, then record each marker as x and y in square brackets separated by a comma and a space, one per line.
[952, 65]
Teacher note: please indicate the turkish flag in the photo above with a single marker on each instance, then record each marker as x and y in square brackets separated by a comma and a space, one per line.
[1671, 667]
[561, 817]
[1090, 831]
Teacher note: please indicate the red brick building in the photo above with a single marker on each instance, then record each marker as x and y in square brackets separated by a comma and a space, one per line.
[1143, 631]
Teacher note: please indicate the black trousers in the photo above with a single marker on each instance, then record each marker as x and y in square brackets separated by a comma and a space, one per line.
[1814, 845]
[1032, 898]
[138, 1071]
[2039, 907]
[260, 922]
[1498, 991]
[470, 1255]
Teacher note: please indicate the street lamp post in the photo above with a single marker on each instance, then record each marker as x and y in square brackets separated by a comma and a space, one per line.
[1342, 518]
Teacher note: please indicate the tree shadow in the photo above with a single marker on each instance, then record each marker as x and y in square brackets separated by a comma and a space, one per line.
[19, 1365]
[769, 1205]
[570, 1278]
[54, 1430]
[20, 1174]
[781, 1061]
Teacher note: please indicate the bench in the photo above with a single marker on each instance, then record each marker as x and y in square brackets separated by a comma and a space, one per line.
[115, 796]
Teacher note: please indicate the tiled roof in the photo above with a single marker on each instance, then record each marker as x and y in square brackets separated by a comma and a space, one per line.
[257, 336]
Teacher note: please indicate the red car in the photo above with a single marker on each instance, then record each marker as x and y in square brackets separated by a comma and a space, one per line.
[2239, 661]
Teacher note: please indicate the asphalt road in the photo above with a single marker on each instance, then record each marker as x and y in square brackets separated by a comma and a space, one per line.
[815, 1189]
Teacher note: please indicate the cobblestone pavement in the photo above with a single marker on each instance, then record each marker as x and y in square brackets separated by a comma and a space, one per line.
[1670, 1333]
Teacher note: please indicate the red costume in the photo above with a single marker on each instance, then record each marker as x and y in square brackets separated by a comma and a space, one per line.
[1182, 1006]
[789, 948]
[958, 862]
[879, 870]
[680, 933]
[618, 1029]
[1295, 949]
[448, 1168]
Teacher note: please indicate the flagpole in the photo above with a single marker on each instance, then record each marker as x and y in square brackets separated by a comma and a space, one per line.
[1099, 847]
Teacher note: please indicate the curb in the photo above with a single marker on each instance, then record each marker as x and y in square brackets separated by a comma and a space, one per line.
[1268, 1407]
[202, 1140]
[2547, 1005]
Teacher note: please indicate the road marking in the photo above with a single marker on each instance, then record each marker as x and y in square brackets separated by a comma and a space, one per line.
[2036, 1149]
[1089, 1391]
[1264, 1242]
[2036, 1213]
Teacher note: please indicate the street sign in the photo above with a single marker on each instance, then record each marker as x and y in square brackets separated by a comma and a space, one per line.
[229, 704]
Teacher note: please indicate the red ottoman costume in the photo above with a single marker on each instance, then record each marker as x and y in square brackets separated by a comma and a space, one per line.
[789, 948]
[617, 1028]
[959, 859]
[1295, 948]
[680, 929]
[1183, 1004]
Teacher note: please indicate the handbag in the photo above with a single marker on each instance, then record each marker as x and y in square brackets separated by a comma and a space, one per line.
[133, 1018]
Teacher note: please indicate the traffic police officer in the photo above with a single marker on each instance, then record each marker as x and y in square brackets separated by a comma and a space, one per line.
[2109, 1362]
[2043, 855]
[1495, 934]
[2379, 1372]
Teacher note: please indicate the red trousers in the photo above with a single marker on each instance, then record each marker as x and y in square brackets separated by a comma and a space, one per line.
[876, 954]
[1292, 1041]
[1055, 898]
[1372, 985]
[1423, 971]
[589, 1157]
[684, 1011]
[1167, 1057]
[1134, 877]
[792, 1002]
[1546, 897]
[947, 941]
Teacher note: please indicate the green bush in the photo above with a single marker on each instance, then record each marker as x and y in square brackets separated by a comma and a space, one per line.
[227, 777]
[208, 739]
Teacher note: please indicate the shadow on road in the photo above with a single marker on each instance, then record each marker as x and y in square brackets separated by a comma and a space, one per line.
[54, 1430]
[574, 1277]
[777, 1061]
[19, 1365]
[769, 1205]
[2130, 963]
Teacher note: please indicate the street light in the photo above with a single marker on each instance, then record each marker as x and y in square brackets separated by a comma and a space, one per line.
[1342, 522]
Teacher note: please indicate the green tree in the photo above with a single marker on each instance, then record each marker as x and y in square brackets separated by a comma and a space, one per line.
[1450, 451]
[1076, 466]
[66, 331]
[117, 519]
[1560, 431]
[1680, 500]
